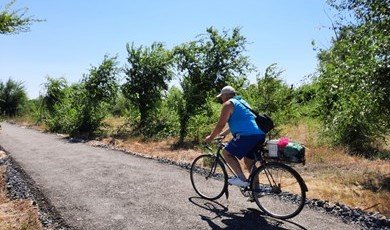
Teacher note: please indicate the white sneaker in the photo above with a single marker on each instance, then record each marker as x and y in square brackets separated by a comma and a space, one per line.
[238, 182]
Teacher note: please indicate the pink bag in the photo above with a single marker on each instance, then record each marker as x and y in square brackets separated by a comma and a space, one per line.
[283, 142]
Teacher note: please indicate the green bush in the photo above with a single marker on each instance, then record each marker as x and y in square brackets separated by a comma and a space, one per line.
[147, 75]
[203, 123]
[272, 96]
[354, 86]
[12, 97]
[81, 108]
[121, 107]
[306, 100]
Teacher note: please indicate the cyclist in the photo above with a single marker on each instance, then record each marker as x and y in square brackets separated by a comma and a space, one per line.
[246, 133]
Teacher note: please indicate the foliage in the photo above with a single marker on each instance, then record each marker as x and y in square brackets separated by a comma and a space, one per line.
[64, 116]
[121, 106]
[167, 115]
[99, 87]
[206, 65]
[305, 97]
[354, 86]
[32, 110]
[147, 76]
[54, 93]
[363, 11]
[272, 96]
[101, 83]
[12, 97]
[166, 121]
[15, 21]
[200, 125]
[82, 107]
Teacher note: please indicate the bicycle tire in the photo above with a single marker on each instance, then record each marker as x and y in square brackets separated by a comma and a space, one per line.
[208, 177]
[278, 190]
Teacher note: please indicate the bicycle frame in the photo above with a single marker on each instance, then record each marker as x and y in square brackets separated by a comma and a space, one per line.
[257, 158]
[220, 157]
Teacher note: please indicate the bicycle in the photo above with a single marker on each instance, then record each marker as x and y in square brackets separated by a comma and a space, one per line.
[277, 189]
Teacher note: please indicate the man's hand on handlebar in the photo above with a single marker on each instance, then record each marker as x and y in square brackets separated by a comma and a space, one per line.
[208, 139]
[219, 137]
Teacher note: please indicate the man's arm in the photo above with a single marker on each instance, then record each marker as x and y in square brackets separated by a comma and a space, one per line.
[227, 109]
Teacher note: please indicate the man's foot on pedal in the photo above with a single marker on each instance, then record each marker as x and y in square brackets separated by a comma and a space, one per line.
[259, 192]
[250, 199]
[238, 182]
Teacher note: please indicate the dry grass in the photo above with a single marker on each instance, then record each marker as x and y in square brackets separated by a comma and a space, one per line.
[157, 149]
[334, 175]
[28, 122]
[16, 214]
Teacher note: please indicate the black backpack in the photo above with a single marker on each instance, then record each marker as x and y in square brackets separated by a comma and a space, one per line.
[263, 121]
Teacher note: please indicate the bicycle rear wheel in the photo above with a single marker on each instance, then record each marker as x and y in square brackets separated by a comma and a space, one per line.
[278, 190]
[208, 177]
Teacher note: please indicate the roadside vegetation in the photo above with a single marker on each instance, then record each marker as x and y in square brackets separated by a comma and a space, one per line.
[341, 113]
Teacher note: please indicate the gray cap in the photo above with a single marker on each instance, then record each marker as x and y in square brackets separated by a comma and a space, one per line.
[226, 90]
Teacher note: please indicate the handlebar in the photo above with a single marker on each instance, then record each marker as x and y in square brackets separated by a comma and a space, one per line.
[218, 141]
[219, 138]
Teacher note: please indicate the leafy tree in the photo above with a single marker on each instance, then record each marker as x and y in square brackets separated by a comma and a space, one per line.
[99, 87]
[306, 98]
[80, 108]
[65, 117]
[147, 75]
[12, 97]
[54, 93]
[32, 110]
[271, 95]
[206, 65]
[15, 21]
[354, 84]
[168, 112]
[101, 83]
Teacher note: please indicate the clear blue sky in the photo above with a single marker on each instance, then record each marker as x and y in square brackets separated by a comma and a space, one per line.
[77, 34]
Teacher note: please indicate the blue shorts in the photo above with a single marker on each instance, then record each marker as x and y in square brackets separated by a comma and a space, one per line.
[241, 146]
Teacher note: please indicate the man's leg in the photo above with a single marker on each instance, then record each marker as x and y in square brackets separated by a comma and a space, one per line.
[234, 164]
[248, 164]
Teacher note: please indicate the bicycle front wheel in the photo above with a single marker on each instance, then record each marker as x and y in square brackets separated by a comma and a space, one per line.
[208, 177]
[278, 190]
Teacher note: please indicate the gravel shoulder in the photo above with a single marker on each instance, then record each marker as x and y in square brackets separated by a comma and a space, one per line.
[96, 188]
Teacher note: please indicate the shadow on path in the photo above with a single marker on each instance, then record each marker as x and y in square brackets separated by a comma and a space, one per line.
[221, 218]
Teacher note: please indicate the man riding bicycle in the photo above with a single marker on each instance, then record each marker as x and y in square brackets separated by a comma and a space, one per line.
[246, 133]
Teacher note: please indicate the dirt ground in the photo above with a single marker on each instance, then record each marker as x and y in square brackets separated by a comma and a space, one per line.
[16, 214]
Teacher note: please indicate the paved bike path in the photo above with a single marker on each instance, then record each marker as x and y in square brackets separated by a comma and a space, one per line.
[95, 188]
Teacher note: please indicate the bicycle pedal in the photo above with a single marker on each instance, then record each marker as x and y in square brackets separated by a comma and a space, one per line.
[250, 199]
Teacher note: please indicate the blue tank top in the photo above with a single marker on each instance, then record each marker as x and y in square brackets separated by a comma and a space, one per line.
[242, 120]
